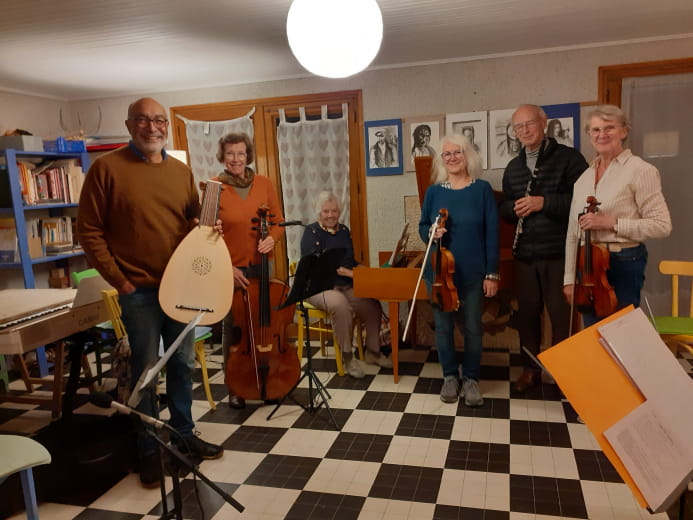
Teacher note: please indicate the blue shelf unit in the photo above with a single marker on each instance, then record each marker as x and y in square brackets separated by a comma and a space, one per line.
[18, 210]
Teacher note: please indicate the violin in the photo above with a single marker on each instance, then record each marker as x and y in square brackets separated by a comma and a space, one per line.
[593, 293]
[443, 291]
[261, 363]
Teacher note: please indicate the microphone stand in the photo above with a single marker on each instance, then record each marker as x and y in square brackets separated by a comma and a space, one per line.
[181, 460]
[315, 273]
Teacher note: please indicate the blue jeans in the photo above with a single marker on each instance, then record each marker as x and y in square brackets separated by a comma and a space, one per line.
[145, 323]
[468, 318]
[626, 275]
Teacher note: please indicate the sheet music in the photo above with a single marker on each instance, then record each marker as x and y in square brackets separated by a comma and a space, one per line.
[652, 440]
[656, 459]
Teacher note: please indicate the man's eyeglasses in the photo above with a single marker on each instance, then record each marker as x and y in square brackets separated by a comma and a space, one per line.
[449, 155]
[595, 131]
[144, 121]
[519, 126]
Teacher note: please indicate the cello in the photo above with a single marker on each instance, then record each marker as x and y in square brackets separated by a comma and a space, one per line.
[261, 363]
[593, 293]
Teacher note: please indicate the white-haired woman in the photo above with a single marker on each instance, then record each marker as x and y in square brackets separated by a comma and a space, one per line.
[631, 208]
[340, 302]
[471, 235]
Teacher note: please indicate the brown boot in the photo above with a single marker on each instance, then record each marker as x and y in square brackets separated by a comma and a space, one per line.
[527, 380]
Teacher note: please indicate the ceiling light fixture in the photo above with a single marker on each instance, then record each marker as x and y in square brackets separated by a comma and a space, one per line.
[334, 38]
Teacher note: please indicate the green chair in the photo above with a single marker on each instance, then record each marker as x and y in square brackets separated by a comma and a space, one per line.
[675, 330]
[78, 276]
[102, 330]
[19, 454]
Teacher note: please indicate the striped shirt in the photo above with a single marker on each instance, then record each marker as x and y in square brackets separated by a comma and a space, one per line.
[631, 191]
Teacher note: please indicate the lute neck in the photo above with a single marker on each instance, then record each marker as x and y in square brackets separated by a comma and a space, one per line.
[210, 203]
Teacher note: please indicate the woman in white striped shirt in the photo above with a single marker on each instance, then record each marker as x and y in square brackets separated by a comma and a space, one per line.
[631, 208]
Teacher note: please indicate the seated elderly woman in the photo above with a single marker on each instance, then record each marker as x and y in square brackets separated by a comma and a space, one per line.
[340, 302]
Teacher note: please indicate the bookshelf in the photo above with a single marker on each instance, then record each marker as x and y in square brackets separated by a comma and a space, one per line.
[23, 214]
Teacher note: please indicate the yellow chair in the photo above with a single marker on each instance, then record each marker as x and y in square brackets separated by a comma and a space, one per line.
[110, 296]
[202, 334]
[676, 331]
[319, 321]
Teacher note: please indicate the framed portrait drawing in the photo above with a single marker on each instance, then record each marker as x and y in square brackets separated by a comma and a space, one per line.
[421, 137]
[503, 143]
[384, 147]
[563, 123]
[472, 125]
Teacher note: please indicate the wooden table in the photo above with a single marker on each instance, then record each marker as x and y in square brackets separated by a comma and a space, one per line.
[393, 285]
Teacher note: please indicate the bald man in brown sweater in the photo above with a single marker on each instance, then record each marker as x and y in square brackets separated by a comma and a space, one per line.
[136, 205]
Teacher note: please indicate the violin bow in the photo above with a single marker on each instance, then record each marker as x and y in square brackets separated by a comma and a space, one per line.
[434, 228]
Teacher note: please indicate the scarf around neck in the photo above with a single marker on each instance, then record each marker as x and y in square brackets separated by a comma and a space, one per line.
[238, 182]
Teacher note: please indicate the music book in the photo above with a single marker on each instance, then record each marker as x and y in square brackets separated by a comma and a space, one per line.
[636, 400]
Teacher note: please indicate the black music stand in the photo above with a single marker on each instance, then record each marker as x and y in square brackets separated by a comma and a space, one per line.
[315, 273]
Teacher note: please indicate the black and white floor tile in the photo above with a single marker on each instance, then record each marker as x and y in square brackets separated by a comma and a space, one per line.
[400, 454]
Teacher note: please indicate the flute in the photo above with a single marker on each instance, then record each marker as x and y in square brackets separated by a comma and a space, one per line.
[518, 229]
[530, 187]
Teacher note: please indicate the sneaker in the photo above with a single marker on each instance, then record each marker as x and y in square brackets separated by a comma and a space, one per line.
[354, 368]
[193, 445]
[471, 393]
[150, 470]
[450, 390]
[380, 359]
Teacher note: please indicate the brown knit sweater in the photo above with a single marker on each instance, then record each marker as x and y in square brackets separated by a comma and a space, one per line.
[133, 214]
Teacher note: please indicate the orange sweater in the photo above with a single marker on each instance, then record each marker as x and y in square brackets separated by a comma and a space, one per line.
[133, 214]
[236, 214]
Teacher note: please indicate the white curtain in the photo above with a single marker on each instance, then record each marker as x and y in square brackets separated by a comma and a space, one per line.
[313, 156]
[203, 137]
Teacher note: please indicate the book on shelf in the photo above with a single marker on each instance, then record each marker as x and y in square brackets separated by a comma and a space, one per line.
[56, 230]
[8, 241]
[58, 248]
[50, 182]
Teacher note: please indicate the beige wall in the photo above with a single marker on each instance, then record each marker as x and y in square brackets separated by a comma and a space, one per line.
[486, 84]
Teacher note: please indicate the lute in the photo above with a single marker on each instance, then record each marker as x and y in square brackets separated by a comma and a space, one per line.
[199, 274]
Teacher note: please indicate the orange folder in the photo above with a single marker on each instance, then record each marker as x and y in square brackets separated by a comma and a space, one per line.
[597, 388]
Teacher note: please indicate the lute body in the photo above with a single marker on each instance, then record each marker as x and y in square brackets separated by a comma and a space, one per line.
[199, 275]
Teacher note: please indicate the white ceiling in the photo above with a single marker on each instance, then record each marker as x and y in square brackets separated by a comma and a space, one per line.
[81, 49]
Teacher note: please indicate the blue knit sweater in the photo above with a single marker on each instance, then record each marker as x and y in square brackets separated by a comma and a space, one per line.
[472, 229]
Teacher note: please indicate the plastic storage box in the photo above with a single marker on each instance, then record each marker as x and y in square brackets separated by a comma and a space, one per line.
[64, 145]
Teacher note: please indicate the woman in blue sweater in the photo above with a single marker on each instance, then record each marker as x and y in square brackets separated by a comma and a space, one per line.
[471, 235]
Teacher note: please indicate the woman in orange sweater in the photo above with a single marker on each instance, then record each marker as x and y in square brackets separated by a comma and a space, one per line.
[244, 192]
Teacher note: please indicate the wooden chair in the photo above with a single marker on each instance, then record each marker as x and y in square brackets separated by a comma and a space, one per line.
[319, 321]
[677, 331]
[21, 454]
[100, 330]
[201, 334]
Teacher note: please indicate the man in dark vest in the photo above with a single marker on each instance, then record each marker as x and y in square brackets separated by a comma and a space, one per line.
[537, 191]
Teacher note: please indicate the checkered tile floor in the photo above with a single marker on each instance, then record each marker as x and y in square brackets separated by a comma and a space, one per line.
[400, 454]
